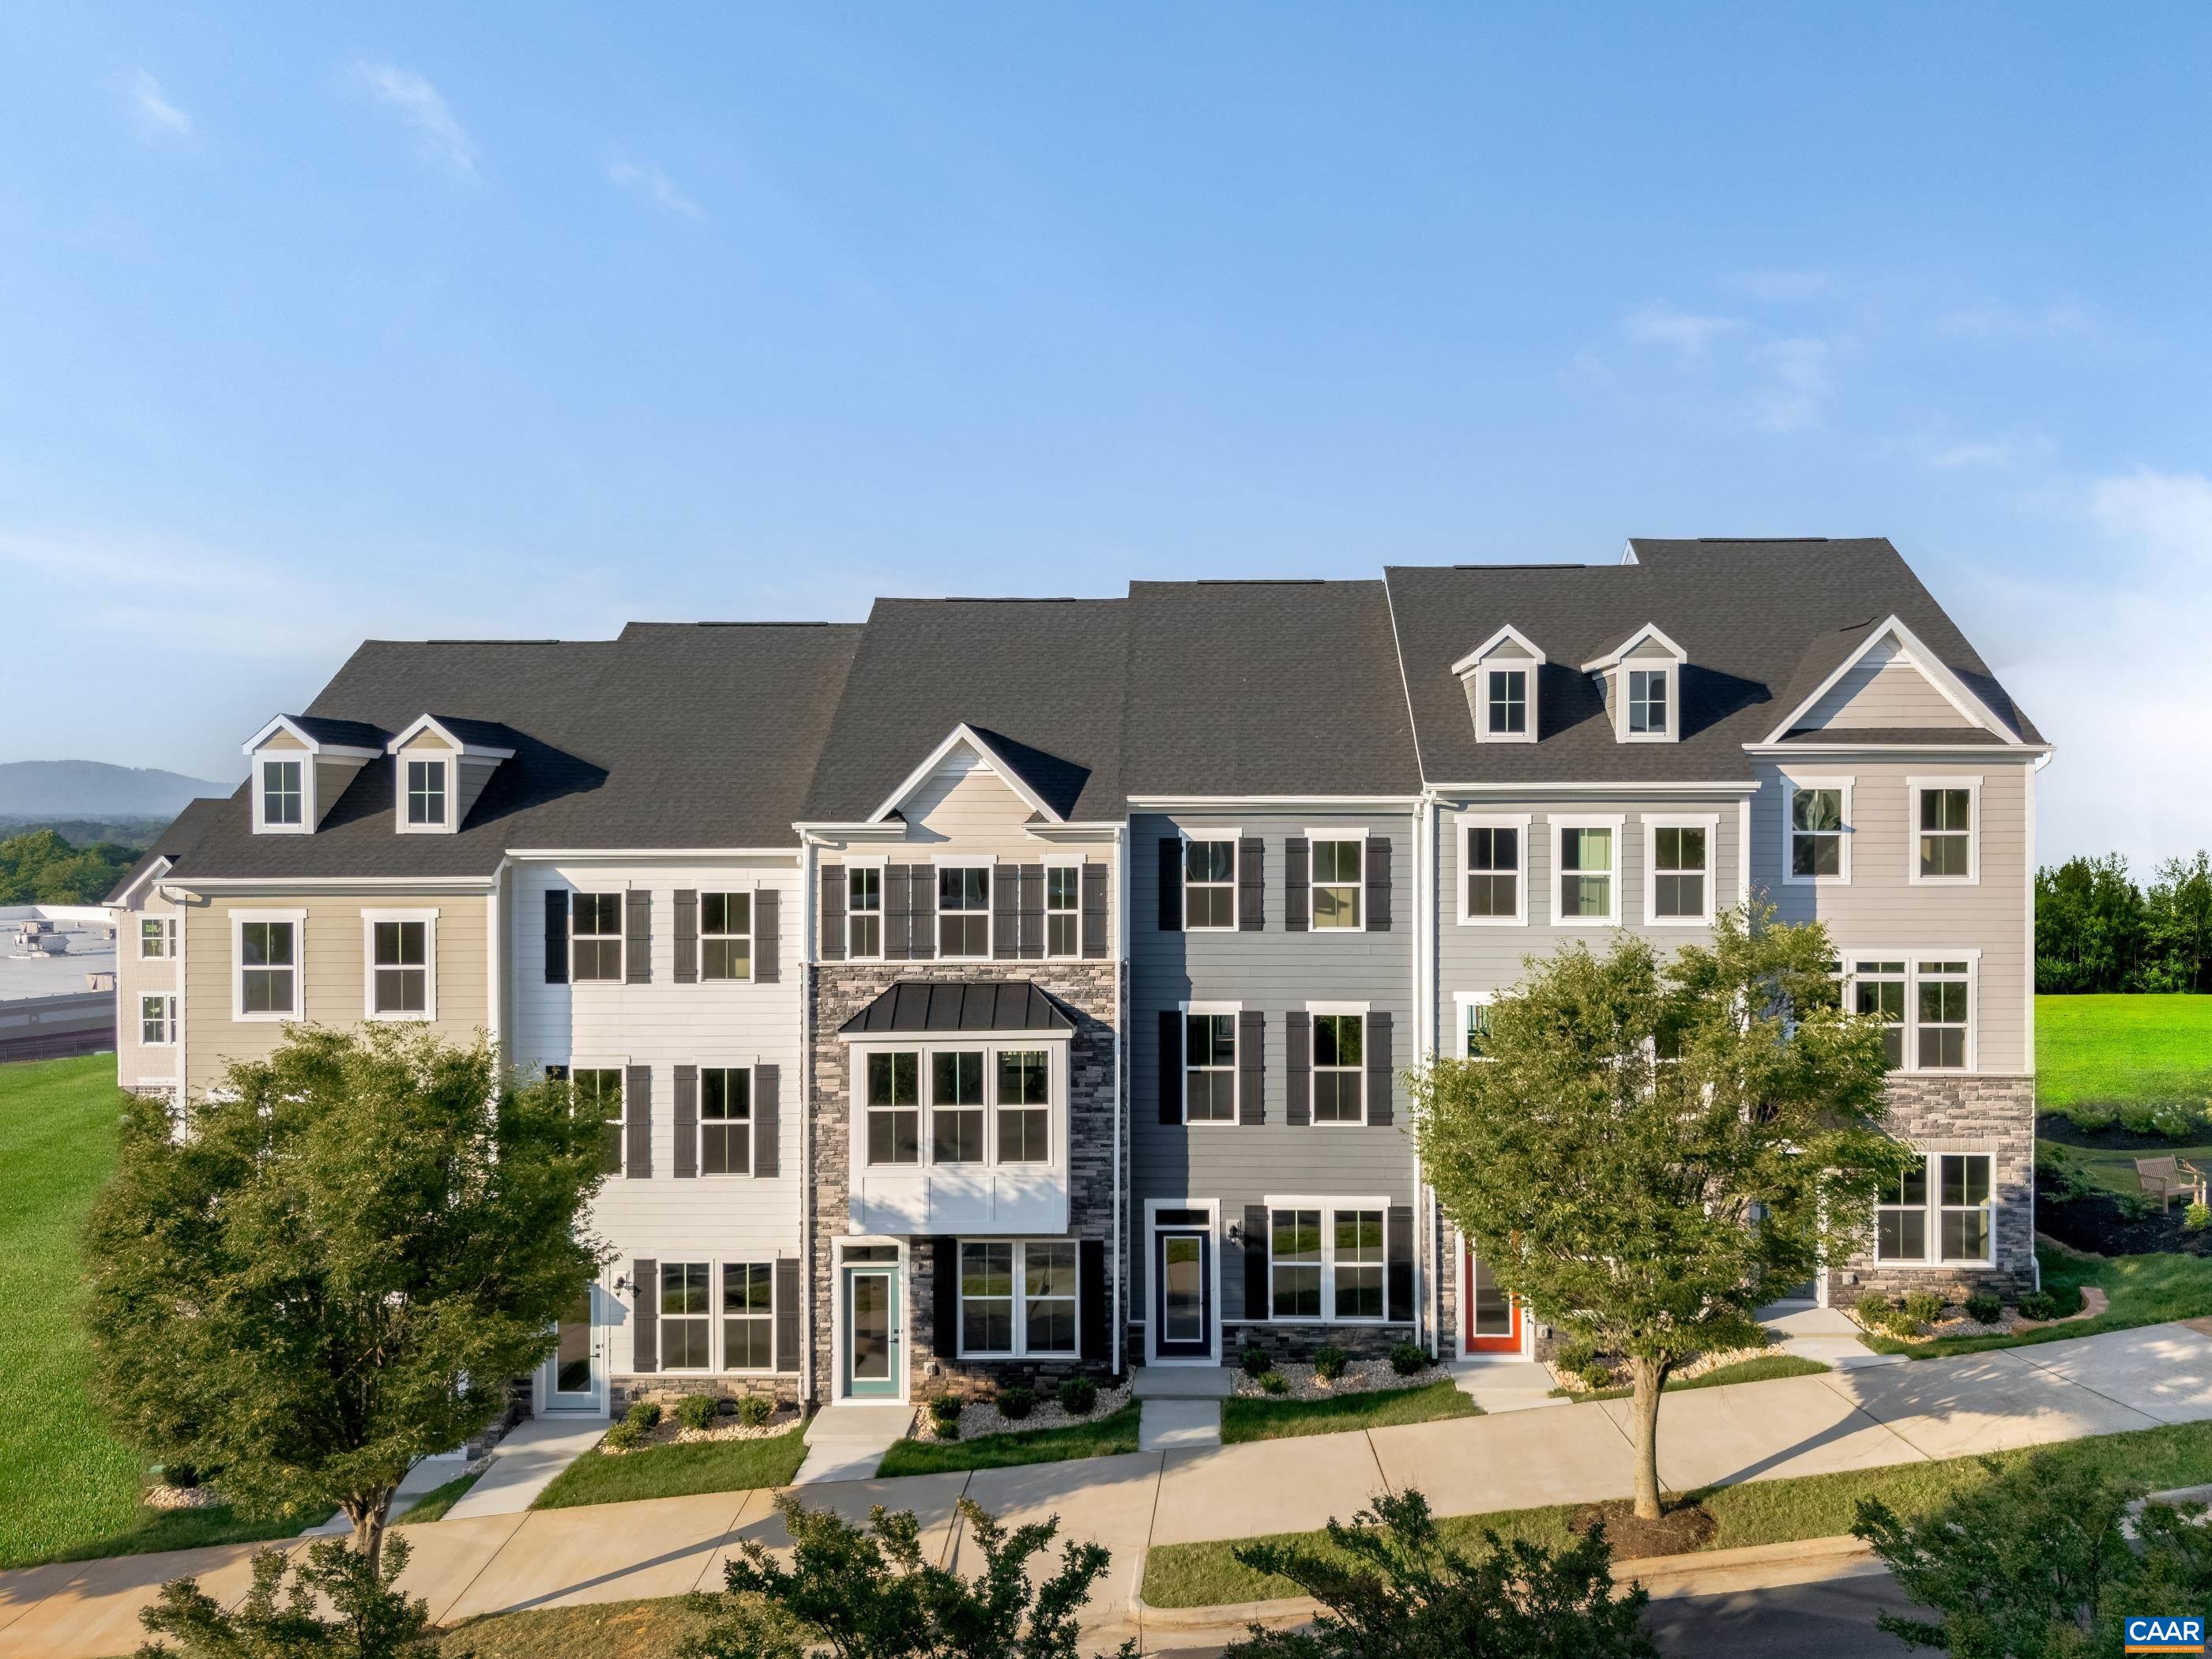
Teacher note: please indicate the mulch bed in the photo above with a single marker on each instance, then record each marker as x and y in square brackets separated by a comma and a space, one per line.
[2095, 1221]
[1680, 1530]
[2112, 1138]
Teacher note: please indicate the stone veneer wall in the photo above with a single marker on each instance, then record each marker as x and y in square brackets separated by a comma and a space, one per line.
[835, 992]
[1962, 1113]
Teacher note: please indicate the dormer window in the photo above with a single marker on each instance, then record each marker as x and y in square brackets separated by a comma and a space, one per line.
[302, 764]
[1505, 703]
[440, 766]
[426, 791]
[281, 797]
[1501, 676]
[1647, 701]
[1640, 683]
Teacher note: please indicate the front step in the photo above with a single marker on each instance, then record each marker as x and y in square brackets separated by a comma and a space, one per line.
[1183, 1383]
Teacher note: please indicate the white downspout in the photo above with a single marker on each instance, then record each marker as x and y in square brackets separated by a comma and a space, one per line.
[1122, 1116]
[804, 1094]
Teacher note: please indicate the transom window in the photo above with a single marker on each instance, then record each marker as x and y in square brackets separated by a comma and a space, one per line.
[748, 1316]
[1493, 870]
[595, 943]
[426, 791]
[157, 937]
[401, 985]
[726, 1121]
[157, 1021]
[895, 1107]
[1507, 701]
[1063, 898]
[964, 911]
[1339, 1048]
[1947, 1201]
[864, 911]
[1679, 871]
[956, 1106]
[1209, 1061]
[1024, 1111]
[595, 1095]
[1946, 835]
[268, 967]
[1647, 701]
[1209, 884]
[1327, 1264]
[1942, 1011]
[1878, 993]
[725, 935]
[686, 1330]
[280, 792]
[1586, 872]
[1336, 881]
[1816, 834]
[1018, 1296]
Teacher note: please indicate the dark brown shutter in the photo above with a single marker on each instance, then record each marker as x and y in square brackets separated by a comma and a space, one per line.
[1171, 1066]
[1255, 1262]
[1298, 860]
[767, 1120]
[645, 1319]
[1095, 913]
[637, 936]
[921, 911]
[1170, 884]
[1297, 1055]
[1398, 1254]
[787, 1311]
[1006, 912]
[1251, 885]
[895, 916]
[556, 936]
[687, 936]
[1251, 1067]
[768, 936]
[831, 947]
[1094, 1323]
[945, 1296]
[1381, 1071]
[637, 1108]
[1378, 884]
[687, 1122]
[1031, 876]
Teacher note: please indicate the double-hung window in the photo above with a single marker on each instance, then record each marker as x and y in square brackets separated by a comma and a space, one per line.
[895, 1107]
[157, 938]
[1294, 1265]
[864, 911]
[956, 1106]
[1326, 1263]
[748, 1316]
[1493, 872]
[399, 967]
[1475, 1025]
[964, 912]
[1647, 701]
[1024, 1110]
[1944, 850]
[1901, 1218]
[1682, 872]
[1018, 1296]
[595, 1095]
[268, 968]
[1946, 1199]
[1505, 713]
[725, 935]
[1818, 831]
[1063, 900]
[1336, 883]
[1943, 990]
[1339, 1050]
[686, 1317]
[1963, 1205]
[280, 798]
[1878, 993]
[1209, 884]
[1209, 1066]
[595, 936]
[157, 1021]
[726, 1121]
[426, 791]
[1587, 871]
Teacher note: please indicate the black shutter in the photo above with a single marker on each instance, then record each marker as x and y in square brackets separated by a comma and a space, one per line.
[1170, 884]
[831, 947]
[1006, 912]
[687, 936]
[894, 919]
[556, 936]
[1255, 1262]
[1171, 1066]
[944, 1300]
[644, 1318]
[1251, 885]
[767, 1120]
[921, 911]
[768, 936]
[687, 1122]
[787, 1311]
[1378, 884]
[1094, 1340]
[637, 1108]
[1251, 1067]
[1398, 1253]
[1095, 913]
[1298, 1053]
[637, 936]
[1031, 876]
[1298, 860]
[1381, 1071]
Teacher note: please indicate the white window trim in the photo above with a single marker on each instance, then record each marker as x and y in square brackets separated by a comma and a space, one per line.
[298, 1010]
[878, 862]
[1653, 823]
[1214, 1232]
[429, 920]
[1482, 672]
[718, 1343]
[167, 935]
[1791, 786]
[1933, 1261]
[699, 1129]
[167, 1017]
[1493, 821]
[1913, 788]
[1912, 957]
[1075, 861]
[306, 762]
[445, 759]
[1616, 821]
[1235, 838]
[968, 861]
[1020, 1309]
[1668, 733]
[1232, 1009]
[1314, 1067]
[1328, 1207]
[1461, 1001]
[751, 935]
[714, 1315]
[620, 1067]
[621, 935]
[1358, 836]
[1053, 1044]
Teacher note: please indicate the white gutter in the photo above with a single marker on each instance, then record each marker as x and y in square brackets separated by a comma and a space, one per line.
[570, 855]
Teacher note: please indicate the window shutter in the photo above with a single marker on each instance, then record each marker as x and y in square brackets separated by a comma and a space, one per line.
[895, 921]
[768, 936]
[1170, 884]
[1251, 885]
[1094, 910]
[1006, 913]
[1378, 884]
[1297, 861]
[1398, 1255]
[1093, 1341]
[921, 911]
[637, 1108]
[767, 1120]
[1031, 876]
[687, 1122]
[787, 1312]
[1251, 1067]
[556, 936]
[832, 945]
[687, 936]
[1255, 1262]
[945, 1297]
[1298, 1052]
[637, 936]
[644, 1320]
[1381, 1071]
[1171, 1066]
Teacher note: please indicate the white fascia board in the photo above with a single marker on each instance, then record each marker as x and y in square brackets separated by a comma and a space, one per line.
[1699, 786]
[1932, 669]
[1977, 753]
[431, 723]
[965, 733]
[890, 829]
[286, 723]
[1508, 632]
[1319, 803]
[153, 872]
[575, 854]
[1650, 631]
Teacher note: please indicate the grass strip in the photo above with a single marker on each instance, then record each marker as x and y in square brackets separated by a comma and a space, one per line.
[2142, 1290]
[1762, 1368]
[1373, 1408]
[1106, 1436]
[605, 1629]
[1753, 1512]
[437, 1501]
[676, 1470]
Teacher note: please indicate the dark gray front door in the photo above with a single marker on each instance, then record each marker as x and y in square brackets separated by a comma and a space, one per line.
[1183, 1293]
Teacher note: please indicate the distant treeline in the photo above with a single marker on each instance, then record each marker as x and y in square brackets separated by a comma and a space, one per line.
[2096, 930]
[43, 868]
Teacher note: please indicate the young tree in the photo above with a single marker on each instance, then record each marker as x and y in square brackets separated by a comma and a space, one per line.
[369, 1617]
[1394, 1589]
[337, 1266]
[1646, 1153]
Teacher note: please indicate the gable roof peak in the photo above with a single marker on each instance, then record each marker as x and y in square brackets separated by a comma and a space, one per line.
[1508, 632]
[1000, 754]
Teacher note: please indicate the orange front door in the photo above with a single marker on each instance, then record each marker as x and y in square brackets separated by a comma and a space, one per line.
[1493, 1318]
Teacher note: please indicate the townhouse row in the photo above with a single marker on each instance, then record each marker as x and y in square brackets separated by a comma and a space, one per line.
[1005, 988]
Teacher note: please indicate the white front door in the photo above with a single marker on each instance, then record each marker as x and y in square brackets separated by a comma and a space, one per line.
[575, 1378]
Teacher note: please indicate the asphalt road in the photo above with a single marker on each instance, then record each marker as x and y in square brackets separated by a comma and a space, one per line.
[1833, 1619]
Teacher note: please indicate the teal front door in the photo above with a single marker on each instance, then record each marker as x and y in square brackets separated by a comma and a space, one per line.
[871, 1333]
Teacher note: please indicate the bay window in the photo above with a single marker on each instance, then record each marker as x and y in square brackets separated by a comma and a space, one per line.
[1024, 1108]
[956, 1106]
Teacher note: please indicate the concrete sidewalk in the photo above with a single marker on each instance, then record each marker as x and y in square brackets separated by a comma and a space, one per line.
[1865, 1418]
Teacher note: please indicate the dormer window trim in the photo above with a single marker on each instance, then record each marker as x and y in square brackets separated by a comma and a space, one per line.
[1646, 693]
[1495, 703]
[311, 749]
[423, 784]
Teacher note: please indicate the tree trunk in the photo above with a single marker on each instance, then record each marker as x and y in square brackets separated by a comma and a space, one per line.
[368, 1512]
[1651, 1376]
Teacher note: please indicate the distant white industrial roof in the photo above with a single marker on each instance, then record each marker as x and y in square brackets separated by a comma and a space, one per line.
[90, 950]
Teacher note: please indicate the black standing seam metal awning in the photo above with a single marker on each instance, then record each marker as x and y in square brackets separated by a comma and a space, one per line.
[916, 1007]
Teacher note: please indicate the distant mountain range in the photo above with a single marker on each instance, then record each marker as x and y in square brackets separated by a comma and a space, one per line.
[76, 788]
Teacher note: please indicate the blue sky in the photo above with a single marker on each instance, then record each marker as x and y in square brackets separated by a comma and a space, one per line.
[319, 323]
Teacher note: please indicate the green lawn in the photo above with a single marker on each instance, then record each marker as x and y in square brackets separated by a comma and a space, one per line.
[2142, 1290]
[1761, 1368]
[437, 1501]
[1374, 1408]
[2122, 1050]
[605, 1630]
[1755, 1512]
[676, 1470]
[1104, 1437]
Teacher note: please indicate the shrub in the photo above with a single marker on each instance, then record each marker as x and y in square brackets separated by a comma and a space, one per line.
[1409, 1359]
[2066, 1300]
[696, 1411]
[1872, 1308]
[2037, 1304]
[623, 1436]
[2196, 1218]
[754, 1410]
[179, 1477]
[1922, 1308]
[1984, 1308]
[1078, 1395]
[643, 1414]
[2177, 1121]
[1257, 1361]
[2135, 1207]
[1016, 1403]
[1330, 1363]
[945, 1410]
[337, 1603]
[2138, 1118]
[1273, 1382]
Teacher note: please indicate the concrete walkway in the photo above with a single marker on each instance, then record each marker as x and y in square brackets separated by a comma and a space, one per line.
[1824, 1335]
[523, 1465]
[1506, 1384]
[1865, 1418]
[846, 1443]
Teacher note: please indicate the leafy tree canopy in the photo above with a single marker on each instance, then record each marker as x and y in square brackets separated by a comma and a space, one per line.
[41, 868]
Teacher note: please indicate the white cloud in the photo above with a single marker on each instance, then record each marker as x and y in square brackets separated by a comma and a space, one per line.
[157, 114]
[1801, 383]
[654, 186]
[1688, 335]
[419, 104]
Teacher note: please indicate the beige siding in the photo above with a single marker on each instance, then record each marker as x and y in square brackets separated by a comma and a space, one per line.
[137, 1064]
[1883, 691]
[281, 738]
